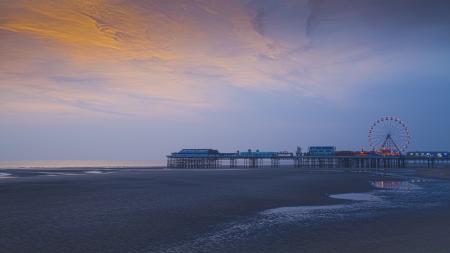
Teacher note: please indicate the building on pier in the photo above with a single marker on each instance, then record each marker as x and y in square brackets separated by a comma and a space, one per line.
[321, 150]
[194, 158]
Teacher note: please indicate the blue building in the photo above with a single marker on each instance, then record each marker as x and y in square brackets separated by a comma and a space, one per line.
[322, 150]
[196, 153]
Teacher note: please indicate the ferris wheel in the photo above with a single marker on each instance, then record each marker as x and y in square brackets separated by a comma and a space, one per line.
[389, 134]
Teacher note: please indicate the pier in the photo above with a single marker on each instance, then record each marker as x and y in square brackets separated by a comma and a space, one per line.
[389, 138]
[211, 158]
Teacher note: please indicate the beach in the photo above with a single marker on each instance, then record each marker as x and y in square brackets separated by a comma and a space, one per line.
[240, 210]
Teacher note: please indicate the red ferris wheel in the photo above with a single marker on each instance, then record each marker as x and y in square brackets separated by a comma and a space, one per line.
[389, 135]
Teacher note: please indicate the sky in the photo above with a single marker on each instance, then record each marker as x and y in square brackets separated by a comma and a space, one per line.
[138, 79]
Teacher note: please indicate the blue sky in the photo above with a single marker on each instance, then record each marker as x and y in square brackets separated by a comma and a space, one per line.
[135, 80]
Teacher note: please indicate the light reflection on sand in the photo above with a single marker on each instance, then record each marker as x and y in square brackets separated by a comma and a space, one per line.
[98, 172]
[6, 175]
[356, 196]
[52, 173]
[395, 185]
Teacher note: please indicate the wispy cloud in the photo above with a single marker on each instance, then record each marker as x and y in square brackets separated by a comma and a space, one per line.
[150, 58]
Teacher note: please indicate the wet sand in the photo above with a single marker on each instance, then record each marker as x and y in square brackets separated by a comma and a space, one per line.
[442, 173]
[264, 210]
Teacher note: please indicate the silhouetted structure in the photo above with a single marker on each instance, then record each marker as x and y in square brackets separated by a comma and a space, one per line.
[317, 157]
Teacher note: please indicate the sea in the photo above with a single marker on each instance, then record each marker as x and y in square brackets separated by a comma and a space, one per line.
[57, 164]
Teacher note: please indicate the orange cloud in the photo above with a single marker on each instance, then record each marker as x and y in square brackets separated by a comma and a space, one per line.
[151, 57]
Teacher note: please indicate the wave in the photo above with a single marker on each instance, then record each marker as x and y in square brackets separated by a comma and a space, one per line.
[6, 175]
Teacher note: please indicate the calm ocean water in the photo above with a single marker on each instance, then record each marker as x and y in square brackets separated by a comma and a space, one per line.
[78, 164]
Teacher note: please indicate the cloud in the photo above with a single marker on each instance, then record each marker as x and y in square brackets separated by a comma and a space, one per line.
[158, 58]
